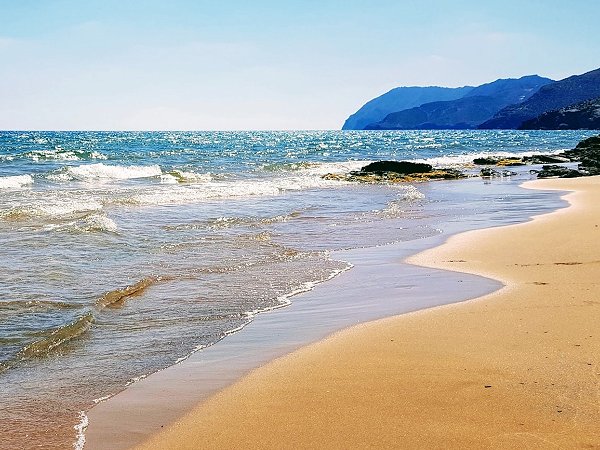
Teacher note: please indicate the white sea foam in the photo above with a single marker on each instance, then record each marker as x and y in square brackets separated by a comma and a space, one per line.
[188, 176]
[167, 178]
[65, 207]
[397, 208]
[104, 171]
[102, 399]
[411, 193]
[80, 428]
[87, 224]
[162, 195]
[15, 182]
[58, 153]
[320, 169]
[457, 161]
[52, 207]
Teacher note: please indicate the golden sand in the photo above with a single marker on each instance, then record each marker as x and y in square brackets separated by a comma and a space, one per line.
[516, 369]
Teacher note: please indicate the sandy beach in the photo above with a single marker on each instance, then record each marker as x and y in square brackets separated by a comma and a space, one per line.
[515, 369]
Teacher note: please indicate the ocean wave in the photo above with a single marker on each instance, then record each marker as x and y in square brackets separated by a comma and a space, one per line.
[397, 207]
[411, 193]
[224, 222]
[52, 208]
[320, 169]
[180, 176]
[465, 160]
[57, 337]
[58, 153]
[15, 182]
[229, 189]
[116, 298]
[183, 176]
[43, 305]
[100, 171]
[87, 224]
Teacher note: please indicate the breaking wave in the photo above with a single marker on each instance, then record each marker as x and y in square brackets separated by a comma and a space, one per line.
[90, 223]
[230, 189]
[52, 208]
[15, 182]
[61, 154]
[100, 171]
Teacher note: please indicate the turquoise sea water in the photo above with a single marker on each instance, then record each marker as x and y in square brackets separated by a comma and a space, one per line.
[122, 253]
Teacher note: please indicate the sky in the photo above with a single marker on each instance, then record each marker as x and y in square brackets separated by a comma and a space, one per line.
[266, 65]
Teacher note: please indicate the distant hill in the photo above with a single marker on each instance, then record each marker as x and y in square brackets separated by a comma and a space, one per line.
[398, 99]
[551, 97]
[581, 116]
[477, 106]
[458, 114]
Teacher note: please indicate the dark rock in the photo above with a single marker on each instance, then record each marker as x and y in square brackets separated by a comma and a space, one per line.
[487, 161]
[587, 153]
[558, 171]
[545, 159]
[396, 172]
[488, 172]
[498, 161]
[402, 167]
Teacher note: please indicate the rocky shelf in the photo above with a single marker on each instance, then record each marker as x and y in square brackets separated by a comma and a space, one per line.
[587, 154]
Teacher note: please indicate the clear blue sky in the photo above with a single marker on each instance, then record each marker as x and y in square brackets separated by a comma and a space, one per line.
[183, 64]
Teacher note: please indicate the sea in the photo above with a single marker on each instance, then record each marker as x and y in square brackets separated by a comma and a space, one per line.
[123, 253]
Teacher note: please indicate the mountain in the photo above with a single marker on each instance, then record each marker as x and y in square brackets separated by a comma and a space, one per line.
[551, 97]
[398, 99]
[457, 114]
[581, 116]
[511, 90]
[477, 106]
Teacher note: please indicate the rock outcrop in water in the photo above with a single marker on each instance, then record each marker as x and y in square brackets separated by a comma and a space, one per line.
[586, 153]
[395, 172]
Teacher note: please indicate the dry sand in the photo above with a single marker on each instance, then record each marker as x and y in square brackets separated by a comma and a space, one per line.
[516, 369]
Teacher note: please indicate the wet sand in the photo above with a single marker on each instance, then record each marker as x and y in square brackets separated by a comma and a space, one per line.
[519, 368]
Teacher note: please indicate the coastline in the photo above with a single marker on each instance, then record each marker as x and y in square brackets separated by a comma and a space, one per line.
[495, 372]
[130, 417]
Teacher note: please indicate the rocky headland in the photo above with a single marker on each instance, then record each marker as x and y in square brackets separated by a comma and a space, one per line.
[581, 116]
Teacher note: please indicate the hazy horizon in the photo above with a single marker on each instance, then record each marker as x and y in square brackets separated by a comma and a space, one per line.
[198, 66]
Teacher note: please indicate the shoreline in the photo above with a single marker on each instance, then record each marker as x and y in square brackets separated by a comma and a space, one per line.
[131, 416]
[466, 380]
[379, 285]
